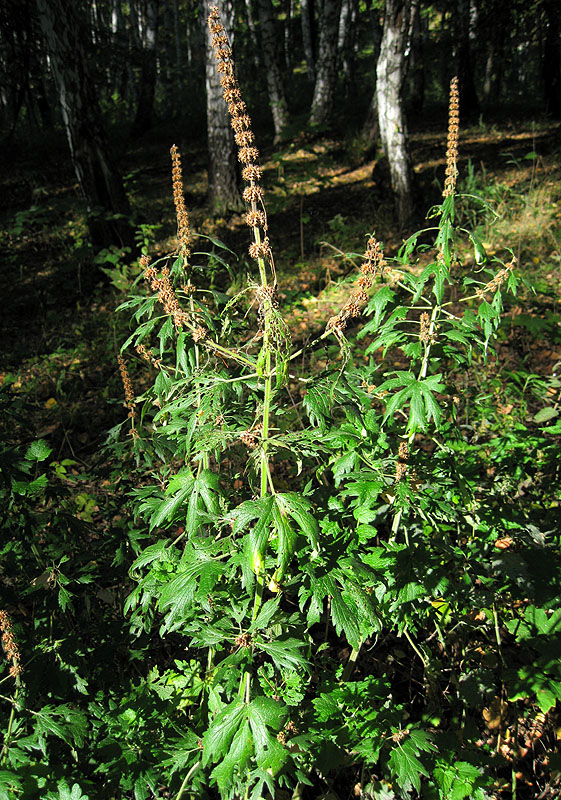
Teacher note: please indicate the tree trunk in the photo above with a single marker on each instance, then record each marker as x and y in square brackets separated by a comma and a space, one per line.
[308, 36]
[100, 185]
[148, 70]
[277, 99]
[223, 174]
[390, 76]
[416, 65]
[326, 66]
[346, 44]
[371, 130]
[551, 65]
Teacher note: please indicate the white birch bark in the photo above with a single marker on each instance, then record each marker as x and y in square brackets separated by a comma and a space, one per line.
[223, 174]
[326, 65]
[277, 99]
[390, 75]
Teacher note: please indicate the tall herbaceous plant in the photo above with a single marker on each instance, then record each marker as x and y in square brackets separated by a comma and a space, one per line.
[298, 518]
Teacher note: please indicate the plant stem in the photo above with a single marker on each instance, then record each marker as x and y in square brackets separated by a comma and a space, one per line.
[179, 795]
[351, 663]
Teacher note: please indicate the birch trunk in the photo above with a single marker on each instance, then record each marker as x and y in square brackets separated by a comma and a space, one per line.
[390, 76]
[277, 99]
[100, 184]
[308, 36]
[223, 174]
[326, 66]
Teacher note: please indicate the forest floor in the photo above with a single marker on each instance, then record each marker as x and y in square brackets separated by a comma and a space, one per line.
[60, 334]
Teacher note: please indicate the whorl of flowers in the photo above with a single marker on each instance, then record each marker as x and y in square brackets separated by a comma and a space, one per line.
[452, 142]
[10, 646]
[373, 264]
[248, 154]
[183, 229]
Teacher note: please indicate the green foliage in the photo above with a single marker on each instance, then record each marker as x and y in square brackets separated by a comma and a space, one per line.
[305, 551]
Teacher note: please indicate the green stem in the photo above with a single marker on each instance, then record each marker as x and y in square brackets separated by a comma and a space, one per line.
[7, 737]
[351, 663]
[179, 795]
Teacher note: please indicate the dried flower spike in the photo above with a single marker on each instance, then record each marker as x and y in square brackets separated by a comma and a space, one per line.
[127, 385]
[183, 229]
[248, 154]
[452, 143]
[496, 282]
[9, 644]
[373, 264]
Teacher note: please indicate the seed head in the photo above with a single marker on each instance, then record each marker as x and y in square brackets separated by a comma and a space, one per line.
[10, 646]
[183, 229]
[452, 143]
[127, 384]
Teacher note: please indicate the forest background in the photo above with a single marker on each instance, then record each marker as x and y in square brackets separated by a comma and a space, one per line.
[392, 628]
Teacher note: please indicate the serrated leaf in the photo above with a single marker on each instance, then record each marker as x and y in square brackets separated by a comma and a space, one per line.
[218, 736]
[265, 615]
[284, 652]
[168, 507]
[38, 450]
[237, 758]
[343, 617]
[406, 767]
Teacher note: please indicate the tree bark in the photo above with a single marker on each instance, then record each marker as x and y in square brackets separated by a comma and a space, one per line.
[390, 76]
[326, 66]
[148, 70]
[223, 175]
[277, 99]
[100, 185]
[308, 36]
[346, 44]
[371, 130]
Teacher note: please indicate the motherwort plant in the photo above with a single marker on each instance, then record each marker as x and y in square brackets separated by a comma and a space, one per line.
[317, 545]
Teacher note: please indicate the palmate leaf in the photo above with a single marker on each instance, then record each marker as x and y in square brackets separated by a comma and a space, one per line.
[406, 767]
[284, 652]
[457, 781]
[237, 758]
[219, 735]
[177, 597]
[418, 395]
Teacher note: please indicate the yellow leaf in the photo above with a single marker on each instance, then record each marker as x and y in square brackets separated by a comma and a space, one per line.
[50, 402]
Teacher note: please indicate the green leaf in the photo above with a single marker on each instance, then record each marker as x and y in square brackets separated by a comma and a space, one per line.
[545, 414]
[406, 767]
[299, 509]
[284, 652]
[218, 736]
[167, 509]
[456, 781]
[236, 759]
[38, 451]
[342, 616]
